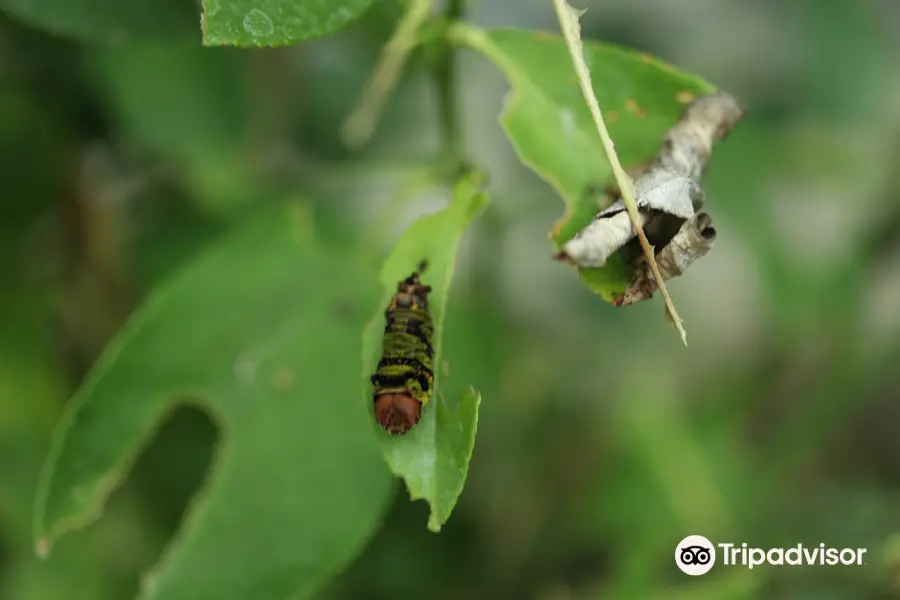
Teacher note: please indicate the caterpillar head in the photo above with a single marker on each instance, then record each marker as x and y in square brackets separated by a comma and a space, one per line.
[397, 412]
[410, 292]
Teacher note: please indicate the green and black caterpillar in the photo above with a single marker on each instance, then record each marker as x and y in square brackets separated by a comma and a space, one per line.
[404, 376]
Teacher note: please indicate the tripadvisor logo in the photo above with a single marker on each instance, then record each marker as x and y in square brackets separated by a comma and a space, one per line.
[696, 555]
[732, 554]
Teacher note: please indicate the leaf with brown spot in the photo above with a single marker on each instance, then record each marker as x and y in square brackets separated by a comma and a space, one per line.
[550, 127]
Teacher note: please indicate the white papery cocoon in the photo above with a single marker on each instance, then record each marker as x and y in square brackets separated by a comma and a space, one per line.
[660, 190]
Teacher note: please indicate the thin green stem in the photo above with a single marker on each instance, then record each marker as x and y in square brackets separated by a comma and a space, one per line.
[360, 125]
[446, 80]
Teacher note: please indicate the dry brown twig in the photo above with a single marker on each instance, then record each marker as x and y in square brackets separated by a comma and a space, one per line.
[568, 21]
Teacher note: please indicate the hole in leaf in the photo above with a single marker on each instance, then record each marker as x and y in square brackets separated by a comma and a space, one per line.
[168, 474]
[173, 468]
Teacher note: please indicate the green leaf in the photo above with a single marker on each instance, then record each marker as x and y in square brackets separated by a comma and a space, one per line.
[275, 22]
[550, 127]
[262, 332]
[109, 21]
[433, 458]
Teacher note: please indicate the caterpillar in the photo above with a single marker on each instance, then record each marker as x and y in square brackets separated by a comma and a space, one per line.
[404, 376]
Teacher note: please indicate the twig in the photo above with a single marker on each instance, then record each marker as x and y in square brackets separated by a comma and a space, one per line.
[445, 76]
[568, 20]
[360, 125]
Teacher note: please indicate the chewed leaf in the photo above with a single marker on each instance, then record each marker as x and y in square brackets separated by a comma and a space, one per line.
[433, 457]
[275, 22]
[261, 332]
[550, 127]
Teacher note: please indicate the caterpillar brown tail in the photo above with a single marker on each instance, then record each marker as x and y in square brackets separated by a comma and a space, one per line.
[404, 376]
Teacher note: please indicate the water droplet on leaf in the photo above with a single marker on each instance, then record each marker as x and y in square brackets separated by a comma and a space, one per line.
[258, 24]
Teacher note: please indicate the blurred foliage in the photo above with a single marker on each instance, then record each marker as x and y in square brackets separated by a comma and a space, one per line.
[601, 442]
[109, 21]
[246, 363]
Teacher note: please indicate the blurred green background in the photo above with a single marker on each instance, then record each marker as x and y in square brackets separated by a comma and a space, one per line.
[602, 441]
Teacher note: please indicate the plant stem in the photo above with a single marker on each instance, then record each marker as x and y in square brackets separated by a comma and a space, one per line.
[360, 125]
[446, 81]
[571, 29]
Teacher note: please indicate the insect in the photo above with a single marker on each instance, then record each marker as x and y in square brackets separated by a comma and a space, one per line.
[404, 376]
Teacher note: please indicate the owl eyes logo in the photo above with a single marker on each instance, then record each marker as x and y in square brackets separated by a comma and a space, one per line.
[695, 555]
